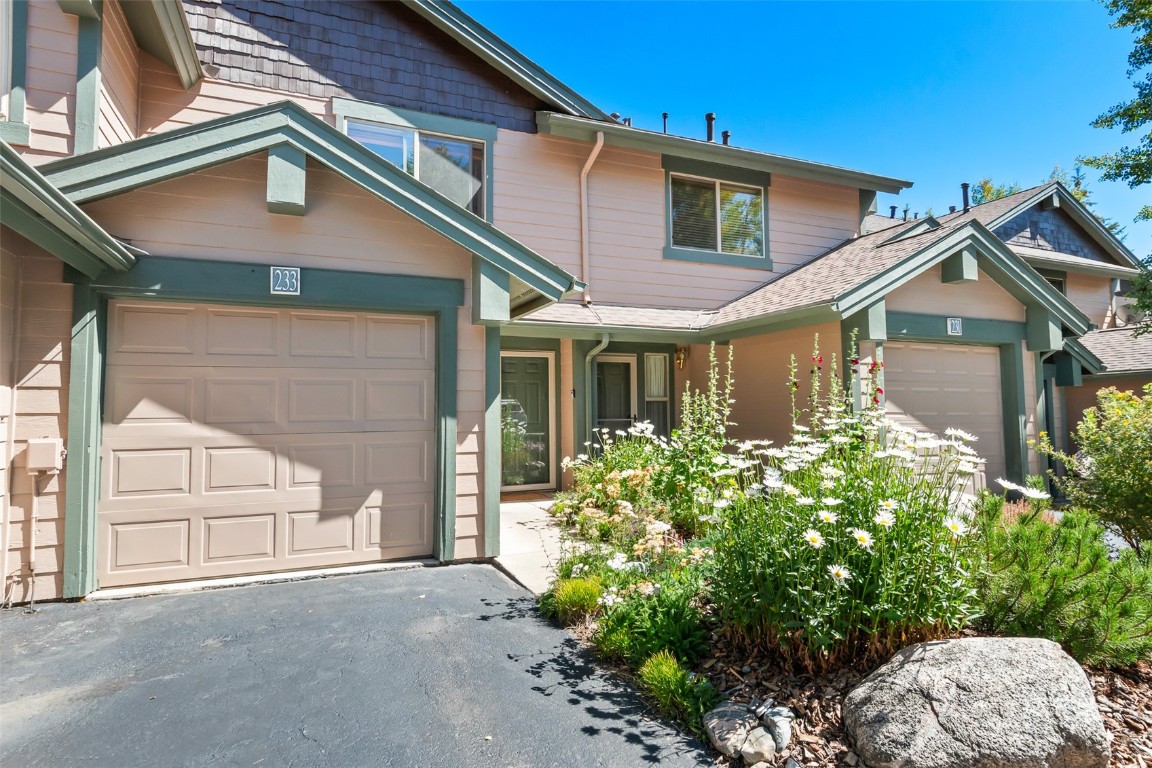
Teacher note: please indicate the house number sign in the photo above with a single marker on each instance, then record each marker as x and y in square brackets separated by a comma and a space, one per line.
[286, 281]
[955, 327]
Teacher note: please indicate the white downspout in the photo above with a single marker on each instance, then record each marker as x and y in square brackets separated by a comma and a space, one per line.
[9, 587]
[588, 358]
[585, 256]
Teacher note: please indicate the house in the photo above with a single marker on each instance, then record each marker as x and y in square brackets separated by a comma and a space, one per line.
[274, 273]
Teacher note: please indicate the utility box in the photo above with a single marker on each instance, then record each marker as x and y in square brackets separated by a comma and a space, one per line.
[45, 454]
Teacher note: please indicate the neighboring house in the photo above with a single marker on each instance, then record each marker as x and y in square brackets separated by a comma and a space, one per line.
[276, 272]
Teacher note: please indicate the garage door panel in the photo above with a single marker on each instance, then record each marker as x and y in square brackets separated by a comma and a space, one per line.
[283, 440]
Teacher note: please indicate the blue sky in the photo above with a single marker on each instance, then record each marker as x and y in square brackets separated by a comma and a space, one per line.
[934, 92]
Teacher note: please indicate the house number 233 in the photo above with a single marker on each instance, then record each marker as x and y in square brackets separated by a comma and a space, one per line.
[286, 280]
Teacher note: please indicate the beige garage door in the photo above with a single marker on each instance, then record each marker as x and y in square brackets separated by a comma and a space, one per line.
[935, 386]
[246, 440]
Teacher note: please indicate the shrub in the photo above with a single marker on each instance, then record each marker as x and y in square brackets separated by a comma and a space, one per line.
[654, 618]
[572, 600]
[1054, 579]
[848, 543]
[1112, 474]
[678, 694]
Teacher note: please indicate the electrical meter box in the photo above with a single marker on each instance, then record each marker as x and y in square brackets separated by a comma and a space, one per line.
[45, 454]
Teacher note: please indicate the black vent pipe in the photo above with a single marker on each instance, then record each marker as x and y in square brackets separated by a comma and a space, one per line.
[964, 196]
[710, 118]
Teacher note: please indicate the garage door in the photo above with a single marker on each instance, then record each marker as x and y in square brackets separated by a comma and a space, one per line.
[935, 386]
[250, 440]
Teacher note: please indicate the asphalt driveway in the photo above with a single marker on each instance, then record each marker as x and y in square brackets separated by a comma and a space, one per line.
[429, 667]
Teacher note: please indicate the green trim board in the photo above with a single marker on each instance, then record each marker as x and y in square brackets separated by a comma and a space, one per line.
[490, 297]
[14, 125]
[87, 114]
[1015, 413]
[522, 70]
[492, 441]
[161, 28]
[976, 330]
[287, 180]
[84, 9]
[960, 267]
[164, 279]
[673, 253]
[618, 135]
[342, 109]
[37, 210]
[115, 170]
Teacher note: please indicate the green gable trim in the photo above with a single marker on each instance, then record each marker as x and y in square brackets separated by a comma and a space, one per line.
[1044, 334]
[870, 324]
[960, 267]
[84, 9]
[287, 180]
[164, 279]
[1069, 373]
[617, 135]
[489, 294]
[149, 160]
[1089, 361]
[715, 170]
[522, 70]
[161, 28]
[934, 328]
[714, 257]
[35, 209]
[87, 117]
[343, 109]
[1015, 415]
[15, 133]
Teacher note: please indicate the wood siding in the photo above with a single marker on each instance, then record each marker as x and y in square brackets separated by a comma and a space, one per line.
[50, 81]
[221, 214]
[1076, 400]
[39, 344]
[926, 294]
[119, 79]
[378, 52]
[1092, 295]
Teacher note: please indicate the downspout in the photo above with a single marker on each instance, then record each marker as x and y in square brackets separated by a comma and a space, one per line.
[604, 339]
[585, 256]
[9, 589]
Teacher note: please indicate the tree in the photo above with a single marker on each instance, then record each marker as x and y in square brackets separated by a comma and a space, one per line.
[1133, 164]
[1075, 183]
[984, 191]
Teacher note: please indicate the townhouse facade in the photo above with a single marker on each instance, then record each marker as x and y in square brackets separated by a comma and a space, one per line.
[299, 285]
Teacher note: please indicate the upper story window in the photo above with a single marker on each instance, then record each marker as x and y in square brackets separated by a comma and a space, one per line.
[452, 166]
[451, 155]
[6, 48]
[717, 214]
[1057, 279]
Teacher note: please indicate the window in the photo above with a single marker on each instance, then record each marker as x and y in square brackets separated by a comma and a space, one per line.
[6, 41]
[452, 166]
[1055, 278]
[656, 392]
[717, 216]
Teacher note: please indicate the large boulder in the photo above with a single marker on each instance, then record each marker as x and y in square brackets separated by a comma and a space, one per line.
[977, 703]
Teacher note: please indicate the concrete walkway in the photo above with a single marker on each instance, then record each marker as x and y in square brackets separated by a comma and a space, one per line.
[444, 666]
[529, 542]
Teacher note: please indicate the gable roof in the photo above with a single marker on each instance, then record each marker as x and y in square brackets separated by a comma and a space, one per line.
[115, 170]
[1119, 350]
[39, 212]
[499, 54]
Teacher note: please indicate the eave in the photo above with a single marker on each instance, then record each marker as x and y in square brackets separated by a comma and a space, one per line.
[571, 127]
[161, 28]
[45, 216]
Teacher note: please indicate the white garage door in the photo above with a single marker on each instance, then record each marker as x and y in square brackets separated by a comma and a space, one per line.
[246, 440]
[935, 386]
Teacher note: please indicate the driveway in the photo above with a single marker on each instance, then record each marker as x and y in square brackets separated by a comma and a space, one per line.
[427, 667]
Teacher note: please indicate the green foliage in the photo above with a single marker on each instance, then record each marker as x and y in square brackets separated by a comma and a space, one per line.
[1056, 580]
[846, 543]
[654, 618]
[678, 694]
[984, 191]
[572, 600]
[1111, 475]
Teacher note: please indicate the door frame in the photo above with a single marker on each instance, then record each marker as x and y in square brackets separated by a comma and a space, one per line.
[616, 357]
[550, 356]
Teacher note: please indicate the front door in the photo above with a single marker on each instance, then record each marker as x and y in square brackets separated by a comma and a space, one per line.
[526, 420]
[615, 392]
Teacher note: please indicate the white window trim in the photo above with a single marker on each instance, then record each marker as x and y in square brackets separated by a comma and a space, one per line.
[716, 183]
[666, 399]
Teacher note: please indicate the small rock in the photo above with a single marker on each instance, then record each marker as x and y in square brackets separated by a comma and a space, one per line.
[763, 708]
[791, 763]
[728, 726]
[759, 747]
[781, 730]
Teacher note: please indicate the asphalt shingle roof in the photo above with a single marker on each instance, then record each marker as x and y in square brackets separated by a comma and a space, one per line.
[1119, 350]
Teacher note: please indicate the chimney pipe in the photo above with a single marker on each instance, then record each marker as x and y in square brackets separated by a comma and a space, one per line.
[725, 136]
[905, 214]
[915, 215]
[964, 196]
[665, 116]
[951, 209]
[710, 118]
[892, 208]
[628, 122]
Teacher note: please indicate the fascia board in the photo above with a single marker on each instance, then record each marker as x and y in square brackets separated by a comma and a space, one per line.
[482, 42]
[161, 28]
[813, 313]
[1082, 354]
[1036, 258]
[119, 169]
[570, 127]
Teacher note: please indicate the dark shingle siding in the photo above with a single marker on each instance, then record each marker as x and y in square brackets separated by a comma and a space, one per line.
[1051, 230]
[381, 52]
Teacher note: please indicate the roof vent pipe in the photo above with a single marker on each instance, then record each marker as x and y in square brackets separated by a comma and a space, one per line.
[628, 122]
[710, 119]
[665, 116]
[916, 215]
[951, 209]
[892, 208]
[964, 196]
[725, 136]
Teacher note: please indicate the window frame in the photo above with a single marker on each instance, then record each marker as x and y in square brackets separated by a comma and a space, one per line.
[666, 399]
[423, 123]
[716, 188]
[720, 175]
[14, 40]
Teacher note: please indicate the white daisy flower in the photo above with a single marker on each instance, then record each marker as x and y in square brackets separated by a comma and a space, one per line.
[1035, 495]
[805, 501]
[813, 537]
[965, 436]
[839, 573]
[884, 519]
[827, 516]
[956, 526]
[862, 538]
[1008, 485]
[828, 501]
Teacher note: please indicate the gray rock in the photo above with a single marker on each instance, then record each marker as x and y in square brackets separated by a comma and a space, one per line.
[728, 726]
[977, 703]
[778, 721]
[759, 748]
